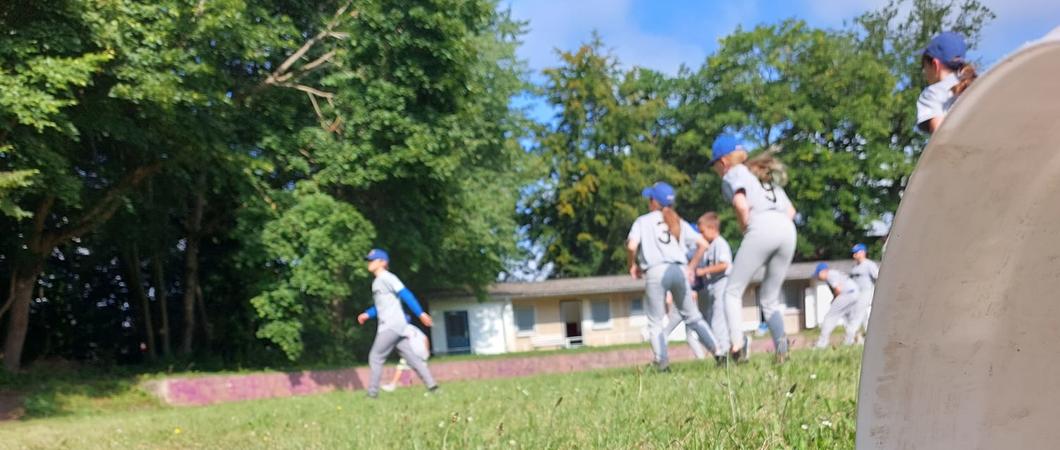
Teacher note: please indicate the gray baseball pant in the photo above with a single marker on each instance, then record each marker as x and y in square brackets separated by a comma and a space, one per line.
[726, 317]
[769, 242]
[861, 312]
[386, 340]
[673, 321]
[671, 278]
[842, 307]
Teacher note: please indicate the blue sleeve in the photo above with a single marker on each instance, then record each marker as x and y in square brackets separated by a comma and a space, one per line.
[372, 313]
[410, 300]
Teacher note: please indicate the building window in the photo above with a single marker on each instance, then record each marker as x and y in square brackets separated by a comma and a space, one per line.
[601, 313]
[636, 307]
[791, 295]
[524, 319]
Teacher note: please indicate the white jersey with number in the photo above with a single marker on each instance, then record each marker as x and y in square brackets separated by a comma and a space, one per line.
[657, 245]
[761, 197]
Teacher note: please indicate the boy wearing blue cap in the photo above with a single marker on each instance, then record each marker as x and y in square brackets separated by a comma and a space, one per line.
[843, 304]
[391, 334]
[944, 67]
[766, 217]
[865, 273]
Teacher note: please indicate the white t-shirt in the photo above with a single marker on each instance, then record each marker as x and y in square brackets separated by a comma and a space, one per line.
[418, 341]
[657, 245]
[936, 99]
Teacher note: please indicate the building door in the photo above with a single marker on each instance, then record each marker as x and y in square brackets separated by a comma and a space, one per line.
[457, 332]
[570, 312]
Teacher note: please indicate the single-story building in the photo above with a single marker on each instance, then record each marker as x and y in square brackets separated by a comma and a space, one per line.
[595, 311]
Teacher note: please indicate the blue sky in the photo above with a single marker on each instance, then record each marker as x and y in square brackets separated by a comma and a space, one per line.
[663, 34]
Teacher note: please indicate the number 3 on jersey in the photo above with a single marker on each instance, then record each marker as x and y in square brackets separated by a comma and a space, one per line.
[663, 233]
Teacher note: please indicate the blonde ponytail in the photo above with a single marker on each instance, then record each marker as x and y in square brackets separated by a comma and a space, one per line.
[673, 221]
[965, 76]
[768, 169]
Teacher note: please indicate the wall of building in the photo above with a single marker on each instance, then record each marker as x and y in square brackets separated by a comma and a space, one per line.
[489, 324]
[493, 327]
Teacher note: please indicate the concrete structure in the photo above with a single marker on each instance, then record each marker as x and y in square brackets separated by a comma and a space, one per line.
[595, 311]
[962, 349]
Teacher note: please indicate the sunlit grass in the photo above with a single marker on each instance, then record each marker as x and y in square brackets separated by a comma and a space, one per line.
[807, 403]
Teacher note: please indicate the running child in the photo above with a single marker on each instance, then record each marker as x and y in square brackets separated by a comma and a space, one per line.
[865, 273]
[766, 217]
[726, 321]
[843, 305]
[948, 74]
[656, 250]
[391, 334]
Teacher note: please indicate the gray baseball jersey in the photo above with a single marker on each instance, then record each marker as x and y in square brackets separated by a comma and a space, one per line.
[387, 305]
[657, 245]
[865, 274]
[837, 279]
[718, 252]
[936, 100]
[761, 197]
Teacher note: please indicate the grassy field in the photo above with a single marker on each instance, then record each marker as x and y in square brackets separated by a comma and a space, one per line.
[807, 403]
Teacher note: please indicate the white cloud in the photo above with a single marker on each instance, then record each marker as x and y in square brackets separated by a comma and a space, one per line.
[564, 25]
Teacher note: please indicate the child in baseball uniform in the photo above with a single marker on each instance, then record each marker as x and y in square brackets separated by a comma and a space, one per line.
[948, 74]
[726, 321]
[392, 333]
[865, 273]
[766, 217]
[656, 249]
[843, 304]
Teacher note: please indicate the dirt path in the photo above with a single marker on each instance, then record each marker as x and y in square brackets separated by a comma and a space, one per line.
[213, 389]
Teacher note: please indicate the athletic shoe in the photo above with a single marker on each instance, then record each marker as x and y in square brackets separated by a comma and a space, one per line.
[433, 390]
[721, 360]
[763, 328]
[781, 358]
[373, 395]
[388, 387]
[744, 355]
[659, 367]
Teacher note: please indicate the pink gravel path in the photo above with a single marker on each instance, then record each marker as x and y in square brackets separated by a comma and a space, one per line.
[211, 389]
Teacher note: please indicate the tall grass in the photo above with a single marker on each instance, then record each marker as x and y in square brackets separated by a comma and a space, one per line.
[807, 403]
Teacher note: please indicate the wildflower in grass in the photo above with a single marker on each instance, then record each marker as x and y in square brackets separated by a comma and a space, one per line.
[176, 431]
[441, 424]
[813, 376]
[826, 423]
[789, 395]
[338, 408]
[805, 427]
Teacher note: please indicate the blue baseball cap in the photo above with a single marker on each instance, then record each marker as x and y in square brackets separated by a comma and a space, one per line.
[820, 268]
[859, 248]
[661, 192]
[377, 253]
[723, 145]
[948, 47]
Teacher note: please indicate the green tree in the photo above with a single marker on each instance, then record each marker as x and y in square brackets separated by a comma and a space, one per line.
[416, 147]
[602, 150]
[119, 91]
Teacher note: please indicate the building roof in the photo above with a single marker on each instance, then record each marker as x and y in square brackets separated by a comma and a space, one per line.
[562, 287]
